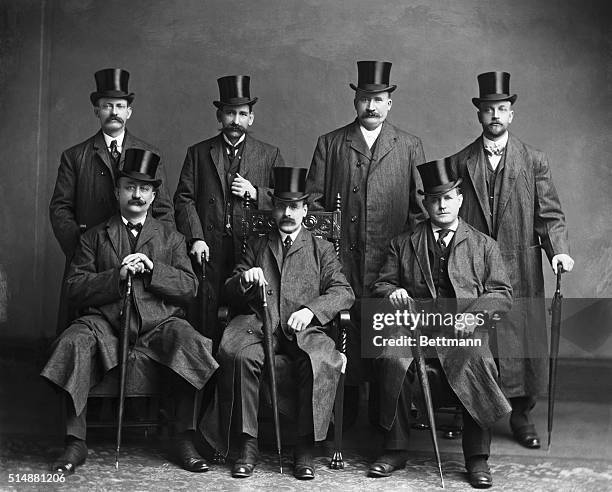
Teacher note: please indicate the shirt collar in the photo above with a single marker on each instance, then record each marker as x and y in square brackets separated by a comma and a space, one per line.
[452, 227]
[119, 139]
[240, 140]
[501, 143]
[293, 235]
[370, 135]
[141, 221]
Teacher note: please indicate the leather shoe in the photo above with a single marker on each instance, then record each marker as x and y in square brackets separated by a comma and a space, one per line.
[303, 463]
[249, 455]
[187, 456]
[74, 455]
[386, 464]
[479, 473]
[527, 436]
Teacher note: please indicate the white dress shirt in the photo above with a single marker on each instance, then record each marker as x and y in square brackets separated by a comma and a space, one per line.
[370, 136]
[447, 239]
[134, 231]
[499, 144]
[119, 139]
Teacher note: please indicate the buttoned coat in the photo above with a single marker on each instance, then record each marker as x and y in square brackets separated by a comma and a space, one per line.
[310, 276]
[84, 196]
[481, 285]
[94, 285]
[529, 220]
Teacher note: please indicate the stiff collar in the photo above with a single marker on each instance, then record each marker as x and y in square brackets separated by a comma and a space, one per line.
[119, 139]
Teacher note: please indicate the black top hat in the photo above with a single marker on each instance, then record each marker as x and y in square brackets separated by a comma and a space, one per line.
[234, 90]
[140, 164]
[494, 86]
[112, 82]
[438, 177]
[373, 76]
[289, 184]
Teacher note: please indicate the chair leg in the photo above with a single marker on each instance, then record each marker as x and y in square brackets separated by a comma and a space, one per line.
[337, 461]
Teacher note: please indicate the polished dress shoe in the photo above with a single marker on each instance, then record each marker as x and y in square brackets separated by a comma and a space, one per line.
[387, 463]
[479, 473]
[303, 463]
[74, 455]
[527, 436]
[249, 455]
[186, 454]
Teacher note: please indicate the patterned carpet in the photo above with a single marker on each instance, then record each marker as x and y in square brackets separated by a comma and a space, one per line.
[144, 466]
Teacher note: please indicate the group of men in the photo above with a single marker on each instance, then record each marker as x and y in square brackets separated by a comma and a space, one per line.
[469, 227]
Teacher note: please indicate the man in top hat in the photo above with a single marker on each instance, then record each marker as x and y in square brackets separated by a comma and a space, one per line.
[444, 258]
[130, 242]
[372, 165]
[305, 291]
[215, 177]
[509, 195]
[84, 193]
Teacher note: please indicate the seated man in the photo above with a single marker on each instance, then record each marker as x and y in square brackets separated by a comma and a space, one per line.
[130, 242]
[305, 290]
[444, 258]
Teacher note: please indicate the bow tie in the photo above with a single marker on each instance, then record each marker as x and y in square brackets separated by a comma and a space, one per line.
[134, 227]
[492, 150]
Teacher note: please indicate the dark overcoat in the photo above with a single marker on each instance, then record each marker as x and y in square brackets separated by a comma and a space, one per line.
[94, 285]
[376, 206]
[84, 196]
[481, 285]
[529, 220]
[310, 276]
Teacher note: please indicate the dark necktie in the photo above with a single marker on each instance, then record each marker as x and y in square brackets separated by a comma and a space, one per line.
[134, 227]
[286, 245]
[114, 152]
[442, 233]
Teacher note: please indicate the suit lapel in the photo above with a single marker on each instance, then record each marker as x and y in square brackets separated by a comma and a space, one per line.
[476, 170]
[300, 242]
[356, 141]
[128, 143]
[384, 143]
[216, 155]
[148, 232]
[274, 244]
[115, 229]
[249, 154]
[511, 168]
[100, 148]
[419, 245]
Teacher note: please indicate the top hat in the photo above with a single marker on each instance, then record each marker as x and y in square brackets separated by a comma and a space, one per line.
[373, 77]
[494, 86]
[234, 90]
[438, 177]
[112, 82]
[289, 184]
[140, 164]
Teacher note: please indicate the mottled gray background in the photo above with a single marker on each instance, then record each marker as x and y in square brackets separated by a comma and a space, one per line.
[301, 56]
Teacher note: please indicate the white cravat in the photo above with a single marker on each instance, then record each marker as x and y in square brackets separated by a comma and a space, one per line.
[497, 149]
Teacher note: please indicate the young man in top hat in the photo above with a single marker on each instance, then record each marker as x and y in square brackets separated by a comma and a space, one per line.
[84, 193]
[305, 291]
[153, 252]
[216, 175]
[372, 165]
[443, 258]
[509, 195]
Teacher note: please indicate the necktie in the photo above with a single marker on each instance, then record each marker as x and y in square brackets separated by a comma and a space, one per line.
[114, 152]
[442, 233]
[134, 227]
[492, 150]
[286, 245]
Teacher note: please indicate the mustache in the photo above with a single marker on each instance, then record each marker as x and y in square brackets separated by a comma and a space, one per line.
[375, 114]
[114, 118]
[234, 128]
[137, 202]
[287, 220]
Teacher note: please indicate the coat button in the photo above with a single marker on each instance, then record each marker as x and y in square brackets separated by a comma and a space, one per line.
[211, 199]
[250, 332]
[352, 246]
[209, 227]
[269, 292]
[359, 164]
[355, 189]
[354, 218]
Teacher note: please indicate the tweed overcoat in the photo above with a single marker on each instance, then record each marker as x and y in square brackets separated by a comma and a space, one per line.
[481, 284]
[310, 276]
[94, 285]
[529, 220]
[84, 196]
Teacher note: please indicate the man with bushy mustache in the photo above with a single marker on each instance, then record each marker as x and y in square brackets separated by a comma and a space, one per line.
[216, 174]
[84, 194]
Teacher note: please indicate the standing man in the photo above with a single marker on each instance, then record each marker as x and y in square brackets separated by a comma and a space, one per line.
[372, 165]
[509, 195]
[216, 174]
[153, 252]
[444, 258]
[305, 291]
[84, 193]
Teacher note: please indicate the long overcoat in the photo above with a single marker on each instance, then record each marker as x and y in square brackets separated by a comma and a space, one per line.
[529, 220]
[84, 196]
[310, 276]
[481, 285]
[94, 285]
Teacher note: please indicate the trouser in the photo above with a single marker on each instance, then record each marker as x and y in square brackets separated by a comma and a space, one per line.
[249, 364]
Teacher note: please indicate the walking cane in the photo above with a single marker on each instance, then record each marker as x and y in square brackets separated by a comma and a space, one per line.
[269, 354]
[123, 352]
[555, 331]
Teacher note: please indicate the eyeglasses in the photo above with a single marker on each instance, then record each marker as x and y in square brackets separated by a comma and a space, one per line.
[143, 188]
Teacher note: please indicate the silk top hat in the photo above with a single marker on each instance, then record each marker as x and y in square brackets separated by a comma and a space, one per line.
[140, 164]
[290, 184]
[234, 90]
[438, 177]
[112, 82]
[494, 86]
[373, 76]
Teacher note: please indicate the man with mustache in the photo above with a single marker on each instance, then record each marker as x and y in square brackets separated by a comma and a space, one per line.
[372, 165]
[84, 193]
[153, 252]
[216, 175]
[305, 290]
[509, 195]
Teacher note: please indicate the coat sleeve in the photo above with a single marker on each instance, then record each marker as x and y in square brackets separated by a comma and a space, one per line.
[162, 205]
[264, 200]
[62, 205]
[236, 294]
[315, 182]
[335, 292]
[549, 220]
[416, 212]
[389, 278]
[185, 199]
[86, 286]
[174, 282]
